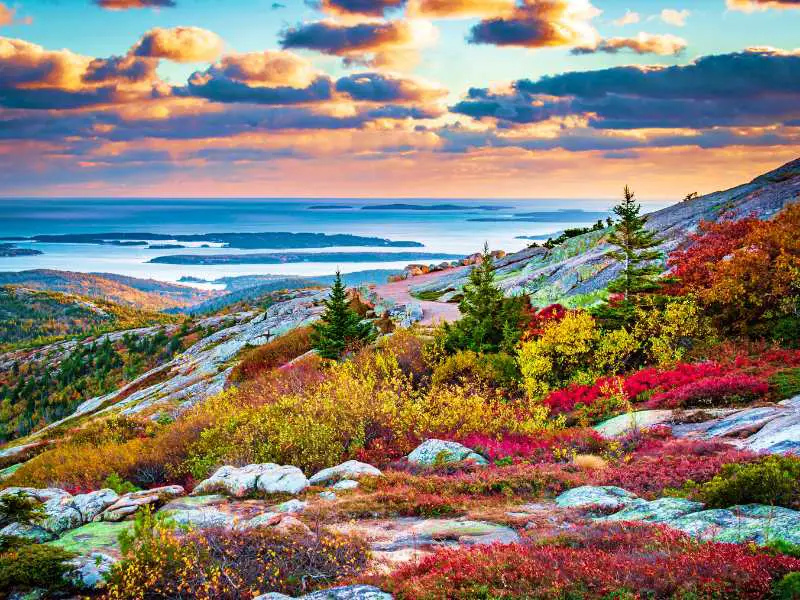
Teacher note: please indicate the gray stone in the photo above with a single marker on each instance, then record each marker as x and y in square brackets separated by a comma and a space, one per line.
[642, 419]
[662, 510]
[29, 532]
[91, 570]
[92, 504]
[327, 495]
[346, 484]
[350, 592]
[434, 451]
[603, 496]
[240, 482]
[291, 506]
[128, 504]
[352, 469]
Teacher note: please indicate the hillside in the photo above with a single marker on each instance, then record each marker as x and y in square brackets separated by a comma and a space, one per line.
[143, 293]
[578, 270]
[29, 316]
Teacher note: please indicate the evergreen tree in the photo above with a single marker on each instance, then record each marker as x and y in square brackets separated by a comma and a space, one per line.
[340, 326]
[641, 268]
[489, 321]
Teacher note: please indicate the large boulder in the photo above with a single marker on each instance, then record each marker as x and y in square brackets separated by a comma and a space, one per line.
[352, 469]
[63, 511]
[602, 496]
[433, 451]
[244, 481]
[662, 510]
[749, 523]
[128, 504]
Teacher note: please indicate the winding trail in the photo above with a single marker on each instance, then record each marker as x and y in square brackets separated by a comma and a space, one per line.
[432, 312]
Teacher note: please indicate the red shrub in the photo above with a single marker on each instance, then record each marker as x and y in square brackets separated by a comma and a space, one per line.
[596, 562]
[537, 320]
[713, 391]
[539, 448]
[661, 464]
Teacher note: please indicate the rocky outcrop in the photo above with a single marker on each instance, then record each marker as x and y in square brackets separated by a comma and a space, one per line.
[127, 505]
[433, 451]
[352, 469]
[62, 510]
[773, 428]
[582, 265]
[268, 478]
[738, 524]
[350, 592]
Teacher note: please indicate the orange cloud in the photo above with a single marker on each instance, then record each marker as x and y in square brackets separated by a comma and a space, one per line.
[541, 24]
[756, 5]
[461, 9]
[127, 4]
[271, 68]
[180, 44]
[644, 43]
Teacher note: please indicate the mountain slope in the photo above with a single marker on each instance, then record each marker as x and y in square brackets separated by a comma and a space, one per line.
[143, 293]
[577, 271]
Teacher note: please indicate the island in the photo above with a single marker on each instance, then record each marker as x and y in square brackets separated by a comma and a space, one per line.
[272, 240]
[9, 250]
[564, 215]
[275, 258]
[165, 247]
[330, 207]
[434, 207]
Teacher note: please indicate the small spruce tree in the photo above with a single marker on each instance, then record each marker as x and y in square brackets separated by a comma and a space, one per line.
[489, 321]
[641, 268]
[340, 327]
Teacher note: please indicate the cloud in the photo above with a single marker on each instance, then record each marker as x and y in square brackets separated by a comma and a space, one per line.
[461, 9]
[381, 87]
[540, 24]
[271, 68]
[6, 15]
[670, 16]
[127, 4]
[376, 44]
[756, 87]
[644, 43]
[181, 44]
[755, 5]
[629, 18]
[33, 77]
[370, 8]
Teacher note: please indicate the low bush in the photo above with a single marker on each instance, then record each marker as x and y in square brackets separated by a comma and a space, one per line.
[466, 367]
[788, 588]
[25, 566]
[774, 480]
[20, 508]
[211, 564]
[660, 467]
[599, 562]
[545, 447]
[711, 392]
[272, 354]
[786, 384]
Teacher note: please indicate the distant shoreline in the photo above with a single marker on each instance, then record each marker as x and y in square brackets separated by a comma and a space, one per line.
[299, 257]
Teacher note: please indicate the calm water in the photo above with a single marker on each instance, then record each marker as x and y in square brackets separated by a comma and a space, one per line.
[441, 231]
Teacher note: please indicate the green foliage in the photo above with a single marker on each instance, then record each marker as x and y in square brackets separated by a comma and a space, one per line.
[25, 566]
[786, 383]
[119, 485]
[36, 393]
[143, 540]
[465, 366]
[341, 328]
[780, 546]
[640, 261]
[489, 321]
[20, 508]
[774, 480]
[788, 588]
[568, 234]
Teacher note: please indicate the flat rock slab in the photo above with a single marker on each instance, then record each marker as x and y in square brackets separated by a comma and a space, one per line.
[350, 592]
[220, 511]
[352, 469]
[99, 537]
[603, 496]
[662, 510]
[642, 419]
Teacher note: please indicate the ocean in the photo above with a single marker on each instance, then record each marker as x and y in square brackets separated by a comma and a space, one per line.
[444, 227]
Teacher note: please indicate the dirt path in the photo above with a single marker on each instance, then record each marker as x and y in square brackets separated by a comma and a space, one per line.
[432, 312]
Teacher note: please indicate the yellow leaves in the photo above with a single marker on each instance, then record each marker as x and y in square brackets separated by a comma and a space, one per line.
[664, 333]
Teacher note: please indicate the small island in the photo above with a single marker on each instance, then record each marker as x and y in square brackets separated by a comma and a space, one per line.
[276, 258]
[434, 207]
[330, 207]
[10, 250]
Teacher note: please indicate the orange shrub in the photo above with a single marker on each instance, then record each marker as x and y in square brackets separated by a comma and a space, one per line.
[273, 354]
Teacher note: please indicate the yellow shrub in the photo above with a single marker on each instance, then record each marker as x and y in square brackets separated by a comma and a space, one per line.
[666, 334]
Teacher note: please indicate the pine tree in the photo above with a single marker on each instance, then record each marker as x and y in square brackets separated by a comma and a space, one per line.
[340, 327]
[641, 268]
[489, 321]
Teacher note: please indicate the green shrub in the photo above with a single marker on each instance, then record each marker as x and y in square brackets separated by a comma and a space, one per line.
[24, 566]
[118, 484]
[497, 370]
[774, 481]
[786, 383]
[780, 546]
[788, 588]
[20, 508]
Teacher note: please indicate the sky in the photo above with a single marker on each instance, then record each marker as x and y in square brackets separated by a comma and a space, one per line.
[395, 98]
